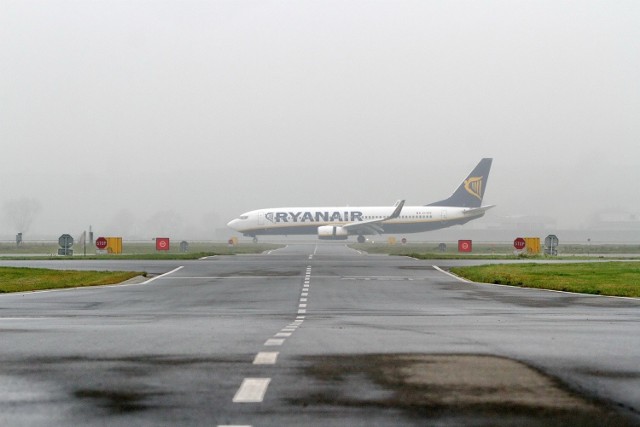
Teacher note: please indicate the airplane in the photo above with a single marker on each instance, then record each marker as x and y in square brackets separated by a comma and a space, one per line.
[338, 223]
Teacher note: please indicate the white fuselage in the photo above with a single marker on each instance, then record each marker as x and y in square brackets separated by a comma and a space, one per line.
[339, 222]
[306, 220]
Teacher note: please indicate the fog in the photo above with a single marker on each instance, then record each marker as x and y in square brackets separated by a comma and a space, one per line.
[144, 118]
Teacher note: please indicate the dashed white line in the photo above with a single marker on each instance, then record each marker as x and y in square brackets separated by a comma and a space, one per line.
[282, 334]
[266, 358]
[252, 390]
[302, 311]
[274, 342]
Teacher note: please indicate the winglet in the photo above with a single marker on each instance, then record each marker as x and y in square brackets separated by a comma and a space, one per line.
[396, 213]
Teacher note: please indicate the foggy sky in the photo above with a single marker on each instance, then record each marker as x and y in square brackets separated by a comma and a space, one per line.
[113, 113]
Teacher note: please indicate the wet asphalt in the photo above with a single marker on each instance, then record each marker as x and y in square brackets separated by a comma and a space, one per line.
[176, 350]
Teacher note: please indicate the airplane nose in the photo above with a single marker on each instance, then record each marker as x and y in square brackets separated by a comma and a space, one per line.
[233, 223]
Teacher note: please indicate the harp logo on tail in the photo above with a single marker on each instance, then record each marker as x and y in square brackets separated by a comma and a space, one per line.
[473, 185]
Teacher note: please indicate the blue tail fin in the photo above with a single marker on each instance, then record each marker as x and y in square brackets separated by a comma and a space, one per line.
[469, 194]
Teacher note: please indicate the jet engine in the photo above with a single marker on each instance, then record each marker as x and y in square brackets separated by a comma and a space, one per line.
[329, 232]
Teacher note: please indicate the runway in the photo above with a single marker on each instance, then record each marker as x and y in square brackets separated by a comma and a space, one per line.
[234, 340]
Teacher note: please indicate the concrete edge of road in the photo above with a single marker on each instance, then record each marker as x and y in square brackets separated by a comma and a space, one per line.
[138, 280]
[134, 281]
[462, 279]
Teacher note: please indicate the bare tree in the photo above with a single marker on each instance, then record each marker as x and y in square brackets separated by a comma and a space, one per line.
[22, 212]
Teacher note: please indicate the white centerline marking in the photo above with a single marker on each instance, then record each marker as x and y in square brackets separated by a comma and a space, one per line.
[274, 342]
[302, 311]
[252, 390]
[283, 334]
[266, 358]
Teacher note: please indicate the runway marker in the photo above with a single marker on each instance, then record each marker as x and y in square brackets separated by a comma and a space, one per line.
[451, 275]
[266, 358]
[274, 342]
[302, 305]
[303, 299]
[301, 319]
[252, 390]
[162, 275]
[305, 294]
[302, 311]
[283, 334]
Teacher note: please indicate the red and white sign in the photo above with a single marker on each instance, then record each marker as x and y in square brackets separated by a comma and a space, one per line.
[519, 243]
[162, 243]
[464, 245]
[101, 243]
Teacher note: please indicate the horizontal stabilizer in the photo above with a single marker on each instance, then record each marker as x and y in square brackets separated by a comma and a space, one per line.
[477, 211]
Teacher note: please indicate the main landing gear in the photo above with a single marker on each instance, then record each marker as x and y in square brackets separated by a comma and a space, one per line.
[255, 239]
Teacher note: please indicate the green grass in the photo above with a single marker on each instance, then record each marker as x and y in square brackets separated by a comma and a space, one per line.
[599, 278]
[496, 251]
[32, 279]
[137, 251]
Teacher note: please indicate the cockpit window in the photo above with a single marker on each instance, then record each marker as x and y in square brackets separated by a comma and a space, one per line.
[243, 217]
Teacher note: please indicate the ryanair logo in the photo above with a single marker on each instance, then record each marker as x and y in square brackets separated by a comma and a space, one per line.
[473, 186]
[316, 216]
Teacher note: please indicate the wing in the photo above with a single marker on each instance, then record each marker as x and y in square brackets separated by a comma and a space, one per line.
[373, 226]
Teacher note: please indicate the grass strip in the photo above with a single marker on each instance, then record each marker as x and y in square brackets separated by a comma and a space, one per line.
[137, 251]
[598, 278]
[13, 279]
